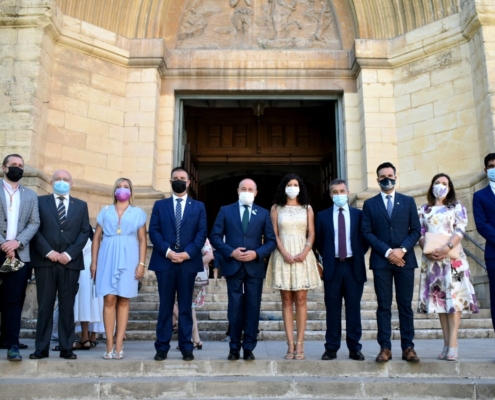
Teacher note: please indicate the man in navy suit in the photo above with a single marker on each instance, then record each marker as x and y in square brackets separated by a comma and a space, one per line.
[391, 226]
[249, 238]
[178, 232]
[484, 217]
[340, 243]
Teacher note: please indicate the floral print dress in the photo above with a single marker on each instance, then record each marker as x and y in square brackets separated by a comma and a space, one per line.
[444, 285]
[199, 292]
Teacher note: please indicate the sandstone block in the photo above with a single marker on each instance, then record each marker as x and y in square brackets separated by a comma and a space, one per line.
[114, 163]
[84, 157]
[100, 175]
[414, 115]
[98, 144]
[432, 94]
[436, 125]
[98, 33]
[108, 84]
[166, 114]
[407, 86]
[56, 117]
[150, 75]
[53, 150]
[67, 104]
[140, 119]
[73, 24]
[132, 105]
[86, 125]
[453, 104]
[146, 134]
[30, 35]
[371, 104]
[88, 94]
[106, 114]
[140, 179]
[379, 120]
[387, 105]
[137, 149]
[164, 143]
[117, 102]
[55, 134]
[141, 89]
[369, 75]
[450, 72]
[148, 104]
[134, 75]
[378, 90]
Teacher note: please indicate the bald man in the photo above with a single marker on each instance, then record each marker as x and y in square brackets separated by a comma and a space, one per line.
[249, 239]
[56, 255]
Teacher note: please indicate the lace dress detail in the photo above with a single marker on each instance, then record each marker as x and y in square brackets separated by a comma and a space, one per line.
[292, 228]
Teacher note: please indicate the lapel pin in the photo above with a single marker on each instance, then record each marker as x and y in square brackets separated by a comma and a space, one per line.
[254, 212]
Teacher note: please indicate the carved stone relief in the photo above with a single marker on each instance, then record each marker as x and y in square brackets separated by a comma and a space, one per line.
[259, 24]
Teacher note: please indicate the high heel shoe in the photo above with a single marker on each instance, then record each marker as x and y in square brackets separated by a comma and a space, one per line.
[290, 354]
[119, 355]
[452, 354]
[443, 354]
[109, 355]
[198, 345]
[299, 355]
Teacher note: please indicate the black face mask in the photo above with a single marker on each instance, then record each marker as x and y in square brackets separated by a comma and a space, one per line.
[179, 186]
[387, 183]
[14, 174]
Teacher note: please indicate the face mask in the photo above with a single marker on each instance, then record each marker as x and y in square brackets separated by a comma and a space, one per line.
[61, 188]
[440, 191]
[490, 173]
[179, 186]
[14, 174]
[387, 183]
[292, 192]
[122, 194]
[340, 200]
[246, 198]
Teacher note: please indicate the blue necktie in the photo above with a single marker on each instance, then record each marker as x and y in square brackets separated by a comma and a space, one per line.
[61, 210]
[390, 206]
[245, 218]
[178, 219]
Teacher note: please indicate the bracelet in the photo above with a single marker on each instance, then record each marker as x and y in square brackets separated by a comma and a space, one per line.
[143, 264]
[309, 244]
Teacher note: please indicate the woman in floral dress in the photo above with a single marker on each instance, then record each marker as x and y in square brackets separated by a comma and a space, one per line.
[445, 287]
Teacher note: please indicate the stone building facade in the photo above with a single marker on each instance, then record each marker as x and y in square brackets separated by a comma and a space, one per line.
[105, 89]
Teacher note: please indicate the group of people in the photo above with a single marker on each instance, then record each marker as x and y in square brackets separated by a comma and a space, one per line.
[50, 232]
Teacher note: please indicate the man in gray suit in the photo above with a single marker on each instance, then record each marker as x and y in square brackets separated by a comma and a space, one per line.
[19, 221]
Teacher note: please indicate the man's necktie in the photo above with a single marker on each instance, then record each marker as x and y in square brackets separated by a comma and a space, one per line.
[61, 210]
[178, 219]
[390, 206]
[342, 236]
[245, 218]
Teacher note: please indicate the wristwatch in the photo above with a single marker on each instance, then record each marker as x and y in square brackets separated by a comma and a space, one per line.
[404, 250]
[451, 246]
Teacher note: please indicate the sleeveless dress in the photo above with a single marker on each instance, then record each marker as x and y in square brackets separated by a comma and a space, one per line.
[444, 285]
[292, 229]
[118, 256]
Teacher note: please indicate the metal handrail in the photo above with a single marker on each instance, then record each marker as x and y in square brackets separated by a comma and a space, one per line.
[471, 254]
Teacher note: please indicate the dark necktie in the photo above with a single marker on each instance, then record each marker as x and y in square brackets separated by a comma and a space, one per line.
[61, 210]
[245, 218]
[178, 219]
[390, 206]
[342, 236]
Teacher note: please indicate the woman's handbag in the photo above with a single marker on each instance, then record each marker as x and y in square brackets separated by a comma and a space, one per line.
[320, 269]
[202, 278]
[11, 265]
[436, 240]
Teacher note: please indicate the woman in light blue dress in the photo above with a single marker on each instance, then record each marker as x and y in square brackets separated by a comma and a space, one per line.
[118, 262]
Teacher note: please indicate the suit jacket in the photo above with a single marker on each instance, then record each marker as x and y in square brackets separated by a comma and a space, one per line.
[229, 223]
[70, 238]
[28, 223]
[382, 232]
[193, 232]
[325, 243]
[484, 217]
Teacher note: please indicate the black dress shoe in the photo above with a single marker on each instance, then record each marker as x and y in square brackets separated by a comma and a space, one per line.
[234, 355]
[329, 355]
[356, 355]
[68, 355]
[39, 354]
[187, 356]
[248, 355]
[160, 355]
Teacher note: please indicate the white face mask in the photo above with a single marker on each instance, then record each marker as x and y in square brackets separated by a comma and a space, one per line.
[292, 192]
[440, 191]
[246, 198]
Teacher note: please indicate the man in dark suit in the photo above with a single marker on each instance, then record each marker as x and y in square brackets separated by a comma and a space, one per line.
[391, 226]
[57, 260]
[484, 217]
[340, 243]
[244, 225]
[19, 221]
[178, 231]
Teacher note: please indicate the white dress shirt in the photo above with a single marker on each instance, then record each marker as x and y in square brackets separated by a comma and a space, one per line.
[492, 185]
[347, 218]
[66, 204]
[12, 215]
[242, 208]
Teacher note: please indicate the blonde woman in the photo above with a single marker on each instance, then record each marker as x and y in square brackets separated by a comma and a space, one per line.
[118, 256]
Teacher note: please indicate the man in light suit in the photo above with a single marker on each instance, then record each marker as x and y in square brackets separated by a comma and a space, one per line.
[244, 225]
[178, 230]
[484, 217]
[391, 226]
[57, 258]
[19, 221]
[340, 243]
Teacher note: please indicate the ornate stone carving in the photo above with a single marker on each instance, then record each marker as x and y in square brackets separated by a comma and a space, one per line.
[259, 24]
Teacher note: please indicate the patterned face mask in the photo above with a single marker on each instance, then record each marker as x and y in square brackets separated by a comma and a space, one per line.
[440, 191]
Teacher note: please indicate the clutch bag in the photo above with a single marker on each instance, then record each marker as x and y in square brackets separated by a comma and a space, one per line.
[11, 265]
[202, 278]
[320, 269]
[436, 240]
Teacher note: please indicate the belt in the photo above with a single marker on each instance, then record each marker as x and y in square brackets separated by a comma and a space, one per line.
[344, 260]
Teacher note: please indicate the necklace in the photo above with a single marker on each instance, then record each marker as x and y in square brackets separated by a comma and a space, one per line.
[120, 214]
[11, 195]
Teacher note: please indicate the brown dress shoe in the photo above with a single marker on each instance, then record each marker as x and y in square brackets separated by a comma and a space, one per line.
[384, 355]
[410, 355]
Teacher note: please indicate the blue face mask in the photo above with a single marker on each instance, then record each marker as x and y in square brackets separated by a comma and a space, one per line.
[61, 188]
[340, 200]
[491, 174]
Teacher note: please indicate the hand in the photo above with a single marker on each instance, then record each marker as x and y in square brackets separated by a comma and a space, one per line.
[139, 272]
[440, 253]
[10, 255]
[92, 269]
[237, 253]
[431, 257]
[180, 257]
[288, 258]
[396, 257]
[300, 257]
[63, 259]
[9, 246]
[247, 256]
[54, 256]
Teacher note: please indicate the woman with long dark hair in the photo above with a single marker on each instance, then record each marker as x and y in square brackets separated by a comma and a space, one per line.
[445, 287]
[292, 267]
